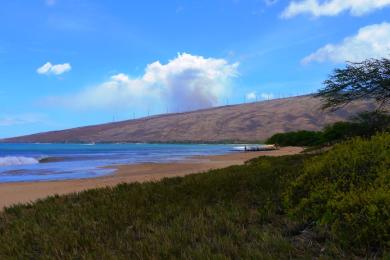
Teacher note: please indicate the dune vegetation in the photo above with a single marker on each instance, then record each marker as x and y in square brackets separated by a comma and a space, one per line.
[335, 204]
[347, 191]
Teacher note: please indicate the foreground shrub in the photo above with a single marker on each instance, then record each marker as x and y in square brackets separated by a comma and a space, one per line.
[347, 191]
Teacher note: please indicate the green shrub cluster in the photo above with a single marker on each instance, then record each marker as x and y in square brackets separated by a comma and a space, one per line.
[298, 138]
[364, 124]
[347, 191]
[339, 131]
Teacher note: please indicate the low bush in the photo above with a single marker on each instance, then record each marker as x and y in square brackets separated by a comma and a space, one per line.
[370, 123]
[298, 138]
[364, 124]
[339, 131]
[347, 192]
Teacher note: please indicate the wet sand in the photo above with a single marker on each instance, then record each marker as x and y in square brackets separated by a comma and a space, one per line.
[24, 192]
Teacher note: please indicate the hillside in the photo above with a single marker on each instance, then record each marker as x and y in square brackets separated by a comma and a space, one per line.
[244, 122]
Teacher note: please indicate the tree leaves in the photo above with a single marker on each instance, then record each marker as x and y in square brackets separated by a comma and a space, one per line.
[369, 79]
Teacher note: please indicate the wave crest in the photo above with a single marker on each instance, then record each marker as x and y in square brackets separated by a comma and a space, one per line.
[17, 160]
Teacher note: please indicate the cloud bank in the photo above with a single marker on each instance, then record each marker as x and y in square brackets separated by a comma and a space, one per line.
[185, 83]
[372, 41]
[48, 69]
[333, 7]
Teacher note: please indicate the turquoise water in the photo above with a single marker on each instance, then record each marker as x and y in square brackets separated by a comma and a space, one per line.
[22, 162]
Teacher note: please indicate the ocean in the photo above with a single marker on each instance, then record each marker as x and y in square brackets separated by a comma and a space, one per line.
[48, 162]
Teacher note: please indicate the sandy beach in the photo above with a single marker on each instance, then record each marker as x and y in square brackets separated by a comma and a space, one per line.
[24, 192]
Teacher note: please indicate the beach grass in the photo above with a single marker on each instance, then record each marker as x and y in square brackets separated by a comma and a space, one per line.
[232, 212]
[235, 212]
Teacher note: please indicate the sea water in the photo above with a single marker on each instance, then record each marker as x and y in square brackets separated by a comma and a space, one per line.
[24, 162]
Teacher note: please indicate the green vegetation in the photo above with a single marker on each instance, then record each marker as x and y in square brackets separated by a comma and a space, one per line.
[370, 123]
[298, 138]
[257, 210]
[232, 212]
[369, 79]
[365, 124]
[347, 191]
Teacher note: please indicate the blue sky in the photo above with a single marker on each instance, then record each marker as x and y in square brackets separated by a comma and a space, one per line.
[68, 63]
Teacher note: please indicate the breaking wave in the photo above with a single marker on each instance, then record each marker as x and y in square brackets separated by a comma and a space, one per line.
[17, 160]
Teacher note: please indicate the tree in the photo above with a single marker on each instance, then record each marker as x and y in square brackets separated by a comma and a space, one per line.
[369, 79]
[298, 138]
[339, 131]
[370, 123]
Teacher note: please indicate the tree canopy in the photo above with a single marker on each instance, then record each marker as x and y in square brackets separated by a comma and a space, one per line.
[369, 79]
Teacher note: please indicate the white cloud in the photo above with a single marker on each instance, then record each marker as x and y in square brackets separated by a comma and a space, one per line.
[372, 41]
[267, 96]
[251, 96]
[185, 83]
[58, 69]
[44, 69]
[333, 7]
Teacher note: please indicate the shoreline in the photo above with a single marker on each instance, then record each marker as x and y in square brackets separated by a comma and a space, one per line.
[26, 192]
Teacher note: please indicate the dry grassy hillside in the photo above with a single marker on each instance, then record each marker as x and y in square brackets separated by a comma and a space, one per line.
[246, 122]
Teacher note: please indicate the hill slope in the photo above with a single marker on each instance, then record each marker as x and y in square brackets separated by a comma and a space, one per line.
[245, 122]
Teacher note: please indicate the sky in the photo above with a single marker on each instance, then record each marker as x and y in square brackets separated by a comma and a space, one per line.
[70, 63]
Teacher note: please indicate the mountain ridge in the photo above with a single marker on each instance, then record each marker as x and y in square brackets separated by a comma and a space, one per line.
[231, 123]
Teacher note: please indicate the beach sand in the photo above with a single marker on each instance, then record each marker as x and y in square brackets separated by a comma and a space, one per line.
[24, 192]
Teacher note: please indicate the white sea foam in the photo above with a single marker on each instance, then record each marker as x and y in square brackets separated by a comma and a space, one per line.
[17, 160]
[239, 148]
